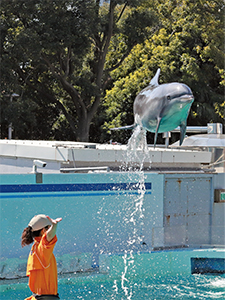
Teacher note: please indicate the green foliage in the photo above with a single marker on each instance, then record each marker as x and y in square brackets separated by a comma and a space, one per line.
[81, 64]
[41, 39]
[54, 54]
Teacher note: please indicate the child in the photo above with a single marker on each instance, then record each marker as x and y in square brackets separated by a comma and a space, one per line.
[41, 264]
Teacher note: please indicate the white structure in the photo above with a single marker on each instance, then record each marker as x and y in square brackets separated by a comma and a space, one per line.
[196, 153]
[17, 156]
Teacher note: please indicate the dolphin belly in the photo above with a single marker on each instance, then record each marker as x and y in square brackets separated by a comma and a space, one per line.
[168, 122]
[175, 117]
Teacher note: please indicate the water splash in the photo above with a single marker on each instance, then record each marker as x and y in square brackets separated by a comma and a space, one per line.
[138, 139]
[137, 153]
[128, 261]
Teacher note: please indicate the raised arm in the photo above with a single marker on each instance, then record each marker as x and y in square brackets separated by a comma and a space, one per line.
[52, 230]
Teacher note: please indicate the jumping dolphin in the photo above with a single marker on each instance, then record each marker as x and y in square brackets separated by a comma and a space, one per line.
[162, 108]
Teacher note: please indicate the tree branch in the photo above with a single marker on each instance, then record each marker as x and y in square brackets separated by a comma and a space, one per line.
[78, 102]
[119, 63]
[110, 26]
[51, 67]
[122, 11]
[75, 96]
[102, 57]
[68, 61]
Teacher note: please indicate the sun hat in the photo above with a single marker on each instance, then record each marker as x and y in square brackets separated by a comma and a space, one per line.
[38, 222]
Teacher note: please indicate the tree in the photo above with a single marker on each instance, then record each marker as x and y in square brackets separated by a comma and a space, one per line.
[57, 52]
[189, 48]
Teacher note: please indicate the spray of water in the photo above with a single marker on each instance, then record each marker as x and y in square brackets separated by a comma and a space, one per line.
[128, 261]
[137, 153]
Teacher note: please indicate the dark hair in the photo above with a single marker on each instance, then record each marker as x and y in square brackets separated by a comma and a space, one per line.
[28, 236]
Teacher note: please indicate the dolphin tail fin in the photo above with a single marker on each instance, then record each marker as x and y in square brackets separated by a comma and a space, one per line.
[155, 80]
[124, 127]
[182, 132]
[156, 131]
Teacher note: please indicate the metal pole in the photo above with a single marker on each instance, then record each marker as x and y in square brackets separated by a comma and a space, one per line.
[10, 125]
[166, 136]
[192, 129]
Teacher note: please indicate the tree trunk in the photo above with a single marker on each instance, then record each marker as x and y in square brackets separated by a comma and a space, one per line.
[83, 127]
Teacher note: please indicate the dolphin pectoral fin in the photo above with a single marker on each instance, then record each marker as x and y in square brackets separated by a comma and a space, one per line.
[182, 132]
[124, 127]
[156, 131]
[155, 80]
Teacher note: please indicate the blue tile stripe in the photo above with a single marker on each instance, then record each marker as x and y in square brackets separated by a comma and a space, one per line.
[72, 194]
[80, 187]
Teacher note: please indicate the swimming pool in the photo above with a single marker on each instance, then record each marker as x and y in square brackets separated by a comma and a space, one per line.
[109, 219]
[111, 212]
[167, 274]
[98, 286]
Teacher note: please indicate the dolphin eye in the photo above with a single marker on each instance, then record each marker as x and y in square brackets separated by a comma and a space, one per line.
[168, 97]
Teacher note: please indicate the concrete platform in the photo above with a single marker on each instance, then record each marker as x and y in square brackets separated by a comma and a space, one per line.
[16, 156]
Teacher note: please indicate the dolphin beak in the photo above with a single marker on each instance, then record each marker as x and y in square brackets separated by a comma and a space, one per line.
[187, 98]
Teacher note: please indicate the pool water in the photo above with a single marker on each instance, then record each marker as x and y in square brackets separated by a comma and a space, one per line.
[99, 286]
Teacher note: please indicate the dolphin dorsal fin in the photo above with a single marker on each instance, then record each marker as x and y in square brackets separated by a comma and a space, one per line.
[155, 80]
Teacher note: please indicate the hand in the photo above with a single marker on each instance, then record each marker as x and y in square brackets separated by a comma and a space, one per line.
[57, 220]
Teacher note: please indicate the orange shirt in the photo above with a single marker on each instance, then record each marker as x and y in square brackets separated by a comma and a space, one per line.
[42, 267]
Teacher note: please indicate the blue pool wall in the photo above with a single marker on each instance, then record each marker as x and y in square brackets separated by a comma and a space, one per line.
[97, 208]
[93, 208]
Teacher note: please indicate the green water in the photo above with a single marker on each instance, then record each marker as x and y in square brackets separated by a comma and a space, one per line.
[98, 286]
